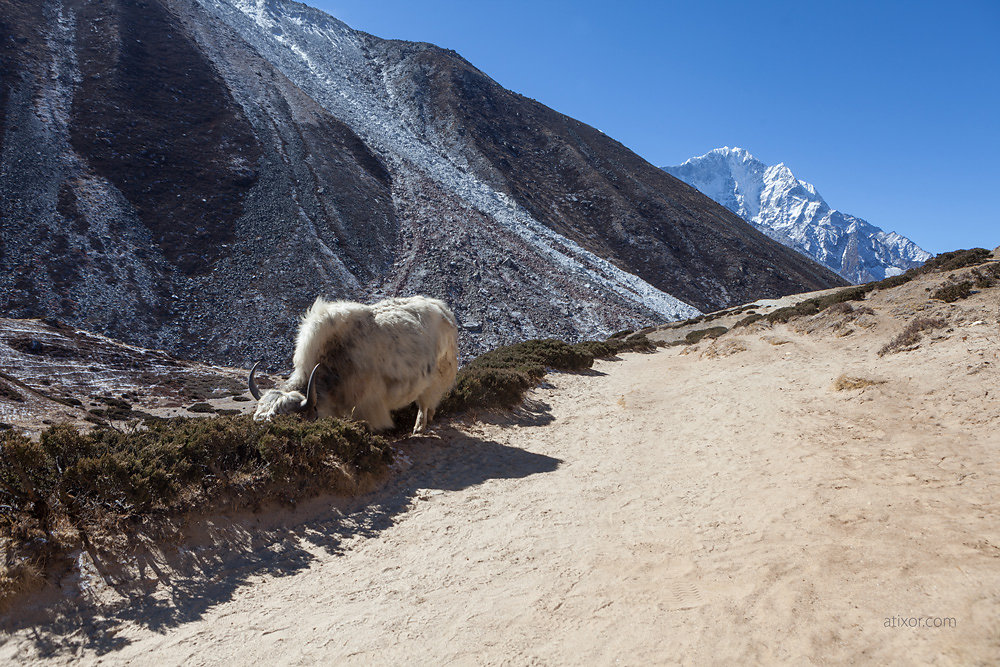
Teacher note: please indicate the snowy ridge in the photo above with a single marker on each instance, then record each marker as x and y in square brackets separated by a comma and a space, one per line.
[331, 63]
[792, 212]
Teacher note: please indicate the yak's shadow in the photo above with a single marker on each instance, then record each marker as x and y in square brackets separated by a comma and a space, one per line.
[163, 587]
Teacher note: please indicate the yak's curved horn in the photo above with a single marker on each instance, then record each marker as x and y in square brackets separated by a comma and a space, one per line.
[310, 401]
[253, 383]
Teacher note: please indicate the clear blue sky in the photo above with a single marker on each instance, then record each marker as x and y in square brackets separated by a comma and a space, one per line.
[892, 109]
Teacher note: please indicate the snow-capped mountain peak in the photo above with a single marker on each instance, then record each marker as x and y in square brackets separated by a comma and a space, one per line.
[793, 212]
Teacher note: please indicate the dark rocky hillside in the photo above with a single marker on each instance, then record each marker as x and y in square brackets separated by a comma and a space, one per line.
[591, 189]
[190, 174]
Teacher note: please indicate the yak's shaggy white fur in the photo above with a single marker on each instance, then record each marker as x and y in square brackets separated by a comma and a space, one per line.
[372, 360]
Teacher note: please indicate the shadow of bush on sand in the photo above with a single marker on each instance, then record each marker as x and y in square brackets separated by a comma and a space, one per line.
[160, 586]
[531, 412]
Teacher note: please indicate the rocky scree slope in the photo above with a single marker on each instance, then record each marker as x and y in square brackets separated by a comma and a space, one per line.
[190, 174]
[51, 373]
[793, 212]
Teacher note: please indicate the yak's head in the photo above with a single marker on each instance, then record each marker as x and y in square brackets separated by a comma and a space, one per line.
[277, 402]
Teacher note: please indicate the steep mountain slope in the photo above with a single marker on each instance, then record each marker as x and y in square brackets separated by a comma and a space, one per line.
[190, 174]
[793, 212]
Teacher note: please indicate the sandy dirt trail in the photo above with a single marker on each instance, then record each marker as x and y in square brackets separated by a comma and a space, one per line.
[719, 506]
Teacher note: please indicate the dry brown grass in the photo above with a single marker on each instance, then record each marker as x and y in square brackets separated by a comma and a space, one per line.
[842, 308]
[849, 383]
[725, 348]
[910, 337]
[16, 579]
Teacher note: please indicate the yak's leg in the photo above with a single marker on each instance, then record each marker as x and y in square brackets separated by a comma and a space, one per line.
[422, 418]
[428, 401]
[427, 404]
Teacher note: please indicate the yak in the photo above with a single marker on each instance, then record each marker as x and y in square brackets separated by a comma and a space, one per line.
[364, 361]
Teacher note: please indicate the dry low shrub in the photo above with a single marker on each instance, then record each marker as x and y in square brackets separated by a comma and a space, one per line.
[987, 276]
[954, 260]
[781, 315]
[107, 477]
[622, 334]
[951, 292]
[982, 277]
[911, 335]
[748, 320]
[846, 382]
[893, 281]
[485, 388]
[534, 356]
[949, 261]
[842, 308]
[501, 377]
[820, 303]
[694, 337]
[167, 464]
